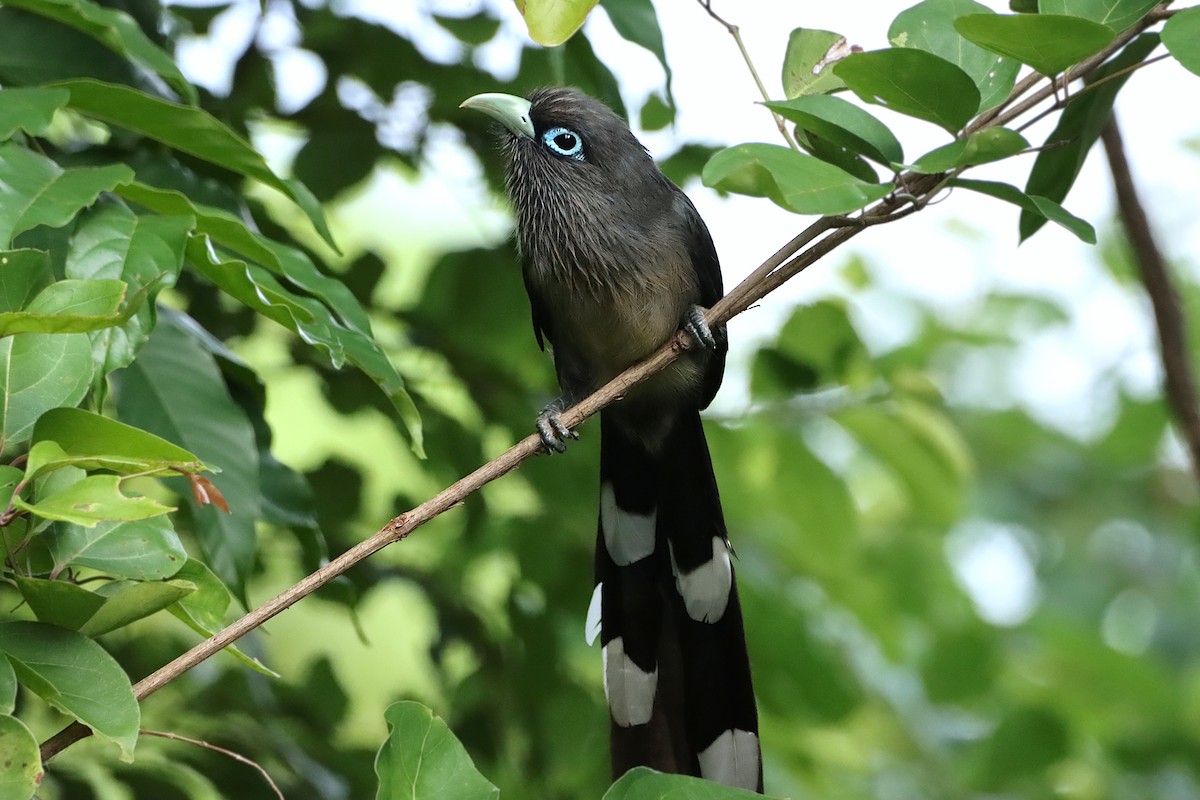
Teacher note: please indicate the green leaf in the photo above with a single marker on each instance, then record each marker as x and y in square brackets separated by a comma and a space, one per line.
[921, 448]
[128, 601]
[20, 761]
[28, 109]
[22, 274]
[914, 83]
[842, 123]
[189, 130]
[1032, 204]
[1055, 169]
[991, 144]
[807, 61]
[175, 390]
[796, 182]
[552, 22]
[96, 498]
[146, 252]
[1048, 43]
[1026, 742]
[92, 441]
[929, 26]
[1116, 14]
[39, 372]
[817, 347]
[204, 609]
[73, 306]
[8, 687]
[116, 30]
[421, 759]
[637, 22]
[145, 550]
[642, 783]
[39, 192]
[75, 675]
[1181, 35]
[473, 30]
[59, 602]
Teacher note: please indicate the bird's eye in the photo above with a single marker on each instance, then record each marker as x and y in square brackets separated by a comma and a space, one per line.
[565, 142]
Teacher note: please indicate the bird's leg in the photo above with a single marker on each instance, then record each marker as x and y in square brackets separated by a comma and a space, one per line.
[551, 429]
[697, 328]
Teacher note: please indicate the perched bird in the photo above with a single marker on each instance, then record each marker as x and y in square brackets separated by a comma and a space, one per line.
[616, 259]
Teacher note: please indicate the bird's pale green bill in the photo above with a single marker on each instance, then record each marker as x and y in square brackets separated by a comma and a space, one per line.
[509, 110]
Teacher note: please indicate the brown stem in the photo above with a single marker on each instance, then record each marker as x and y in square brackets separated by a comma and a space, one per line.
[1179, 380]
[784, 264]
[223, 751]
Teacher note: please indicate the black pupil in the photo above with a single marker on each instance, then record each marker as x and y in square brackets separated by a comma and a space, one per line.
[565, 141]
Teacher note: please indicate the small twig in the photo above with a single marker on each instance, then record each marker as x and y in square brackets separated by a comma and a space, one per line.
[736, 33]
[1066, 101]
[216, 749]
[1178, 378]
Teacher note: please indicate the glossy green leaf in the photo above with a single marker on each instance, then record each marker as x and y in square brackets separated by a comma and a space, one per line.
[929, 26]
[841, 156]
[175, 390]
[1055, 169]
[796, 182]
[552, 22]
[75, 675]
[92, 441]
[203, 610]
[28, 109]
[1116, 14]
[59, 602]
[22, 275]
[1181, 35]
[8, 687]
[189, 130]
[117, 31]
[20, 761]
[808, 60]
[126, 602]
[991, 144]
[844, 124]
[39, 192]
[422, 760]
[914, 83]
[643, 783]
[72, 306]
[94, 499]
[1048, 43]
[39, 372]
[146, 252]
[144, 550]
[1032, 204]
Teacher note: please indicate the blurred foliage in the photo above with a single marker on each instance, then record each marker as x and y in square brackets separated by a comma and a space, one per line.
[865, 491]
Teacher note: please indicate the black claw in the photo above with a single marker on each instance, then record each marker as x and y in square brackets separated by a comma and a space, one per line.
[551, 429]
[698, 329]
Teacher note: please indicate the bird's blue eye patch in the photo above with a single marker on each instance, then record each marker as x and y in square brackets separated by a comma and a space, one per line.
[564, 142]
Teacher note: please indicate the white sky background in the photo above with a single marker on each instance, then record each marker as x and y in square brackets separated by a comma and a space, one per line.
[1067, 376]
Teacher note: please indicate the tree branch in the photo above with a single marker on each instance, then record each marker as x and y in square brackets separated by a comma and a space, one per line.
[1178, 378]
[817, 240]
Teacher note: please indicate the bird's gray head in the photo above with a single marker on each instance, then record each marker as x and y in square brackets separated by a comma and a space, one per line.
[562, 142]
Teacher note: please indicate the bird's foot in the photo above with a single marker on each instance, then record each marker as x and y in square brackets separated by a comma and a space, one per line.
[551, 429]
[697, 328]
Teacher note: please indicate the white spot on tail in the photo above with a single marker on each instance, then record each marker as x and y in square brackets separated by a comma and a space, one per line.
[629, 537]
[630, 690]
[591, 628]
[705, 590]
[732, 759]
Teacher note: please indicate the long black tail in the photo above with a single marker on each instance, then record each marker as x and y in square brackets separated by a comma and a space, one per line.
[676, 671]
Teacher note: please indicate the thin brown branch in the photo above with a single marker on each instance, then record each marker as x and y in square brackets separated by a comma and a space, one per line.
[1178, 377]
[736, 33]
[817, 240]
[223, 751]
